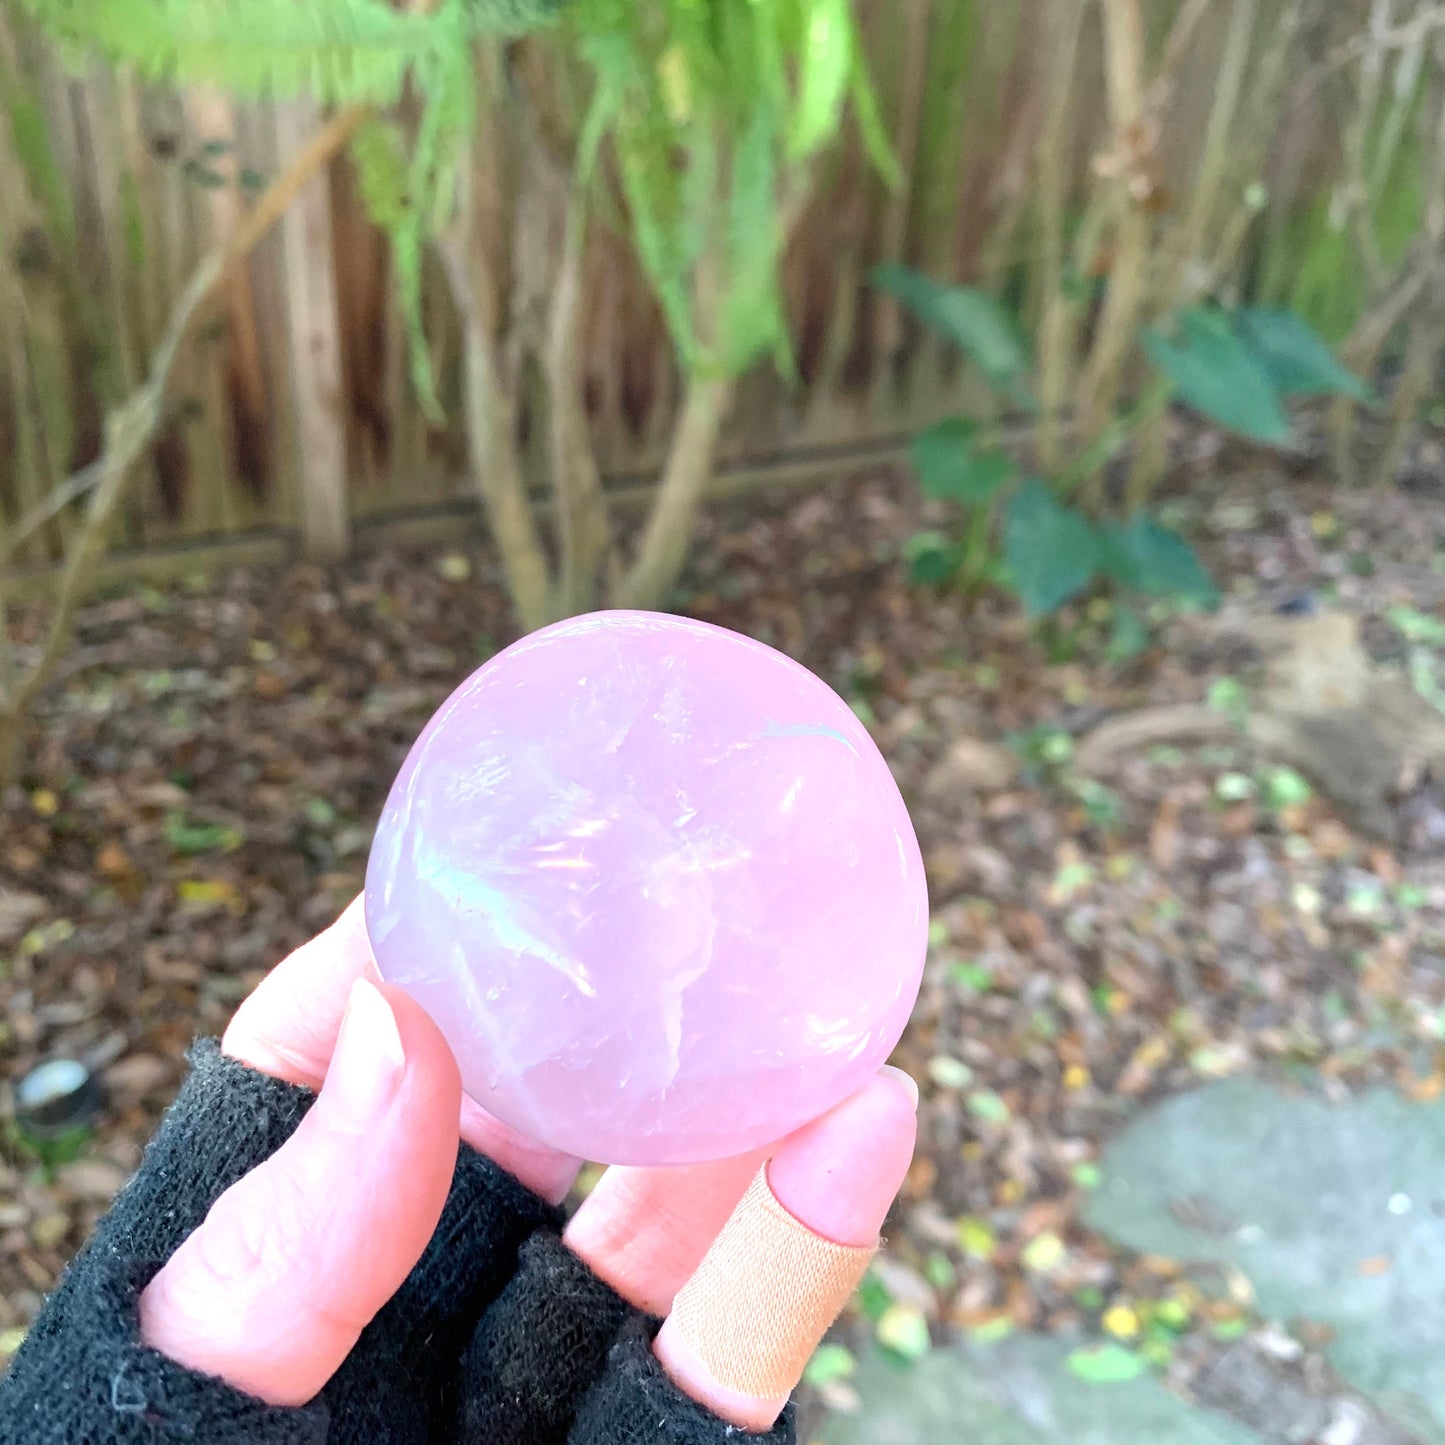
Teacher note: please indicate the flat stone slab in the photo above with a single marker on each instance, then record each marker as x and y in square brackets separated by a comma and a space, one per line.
[1334, 1212]
[1017, 1392]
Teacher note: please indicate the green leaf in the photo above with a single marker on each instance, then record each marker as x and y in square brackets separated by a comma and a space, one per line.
[193, 838]
[1285, 788]
[1146, 557]
[1416, 626]
[986, 1105]
[871, 127]
[346, 52]
[1219, 376]
[972, 319]
[1106, 1365]
[932, 559]
[1044, 1253]
[1053, 551]
[826, 70]
[873, 1298]
[976, 1239]
[830, 1363]
[950, 467]
[903, 1329]
[949, 1073]
[753, 320]
[1128, 636]
[1297, 358]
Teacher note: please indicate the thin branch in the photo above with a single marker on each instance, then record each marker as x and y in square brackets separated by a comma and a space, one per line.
[1358, 47]
[1176, 46]
[1058, 323]
[72, 490]
[492, 446]
[576, 480]
[684, 483]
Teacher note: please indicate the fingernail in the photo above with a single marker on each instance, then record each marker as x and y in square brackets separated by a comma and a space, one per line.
[367, 1067]
[839, 1175]
[906, 1080]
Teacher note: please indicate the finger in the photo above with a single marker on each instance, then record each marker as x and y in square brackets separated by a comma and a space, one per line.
[288, 1027]
[544, 1171]
[746, 1324]
[273, 1289]
[644, 1231]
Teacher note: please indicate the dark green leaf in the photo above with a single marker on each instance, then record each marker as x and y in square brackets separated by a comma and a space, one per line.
[1219, 376]
[1052, 551]
[932, 558]
[1128, 637]
[1149, 558]
[192, 838]
[972, 319]
[1296, 356]
[950, 467]
[203, 175]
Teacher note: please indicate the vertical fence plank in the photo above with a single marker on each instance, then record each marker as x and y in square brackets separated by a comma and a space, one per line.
[314, 327]
[303, 412]
[33, 257]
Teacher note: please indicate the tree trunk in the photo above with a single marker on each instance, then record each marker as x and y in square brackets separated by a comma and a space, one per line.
[663, 552]
[581, 507]
[492, 448]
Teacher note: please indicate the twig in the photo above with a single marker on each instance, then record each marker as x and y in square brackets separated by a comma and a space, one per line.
[1400, 37]
[71, 490]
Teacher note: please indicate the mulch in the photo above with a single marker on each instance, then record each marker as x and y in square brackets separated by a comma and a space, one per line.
[202, 782]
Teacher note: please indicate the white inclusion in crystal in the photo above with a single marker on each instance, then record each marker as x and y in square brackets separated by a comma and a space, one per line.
[808, 730]
[510, 931]
[791, 796]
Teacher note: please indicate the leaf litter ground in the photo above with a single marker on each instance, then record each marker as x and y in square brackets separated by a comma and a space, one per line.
[201, 787]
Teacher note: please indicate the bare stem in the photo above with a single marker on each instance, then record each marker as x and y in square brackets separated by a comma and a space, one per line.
[492, 447]
[663, 552]
[576, 481]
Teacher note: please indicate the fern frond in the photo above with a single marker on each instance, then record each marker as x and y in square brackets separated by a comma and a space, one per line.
[408, 183]
[337, 51]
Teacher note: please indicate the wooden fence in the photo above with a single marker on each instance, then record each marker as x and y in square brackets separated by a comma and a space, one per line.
[297, 392]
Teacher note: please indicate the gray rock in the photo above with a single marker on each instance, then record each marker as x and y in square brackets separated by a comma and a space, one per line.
[1335, 1213]
[1018, 1392]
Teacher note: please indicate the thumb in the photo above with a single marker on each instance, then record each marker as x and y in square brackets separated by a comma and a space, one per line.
[273, 1289]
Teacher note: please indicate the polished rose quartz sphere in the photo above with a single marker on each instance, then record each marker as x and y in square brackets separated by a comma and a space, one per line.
[657, 887]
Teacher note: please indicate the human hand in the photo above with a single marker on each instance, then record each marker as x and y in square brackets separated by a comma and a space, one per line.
[273, 1290]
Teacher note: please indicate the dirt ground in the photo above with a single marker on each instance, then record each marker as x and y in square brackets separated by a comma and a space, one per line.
[205, 776]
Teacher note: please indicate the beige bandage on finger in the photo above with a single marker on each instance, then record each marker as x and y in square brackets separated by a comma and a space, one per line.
[765, 1296]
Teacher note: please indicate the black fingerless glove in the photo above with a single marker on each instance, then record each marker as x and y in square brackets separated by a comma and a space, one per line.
[499, 1336]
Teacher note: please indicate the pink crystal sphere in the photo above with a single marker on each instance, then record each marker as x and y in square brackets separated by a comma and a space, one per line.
[657, 887]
